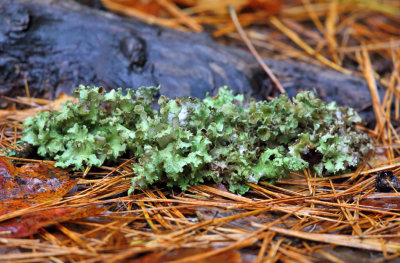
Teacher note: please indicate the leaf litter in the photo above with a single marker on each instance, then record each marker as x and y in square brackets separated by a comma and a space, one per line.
[24, 188]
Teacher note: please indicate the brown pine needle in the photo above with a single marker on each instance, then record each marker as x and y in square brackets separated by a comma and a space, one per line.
[330, 25]
[369, 76]
[307, 48]
[150, 19]
[185, 19]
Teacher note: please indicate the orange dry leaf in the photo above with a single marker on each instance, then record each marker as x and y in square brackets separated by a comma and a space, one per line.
[28, 224]
[272, 7]
[148, 7]
[30, 184]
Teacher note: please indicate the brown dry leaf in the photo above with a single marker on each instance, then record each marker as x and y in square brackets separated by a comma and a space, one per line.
[30, 184]
[29, 223]
[386, 201]
[22, 188]
[226, 257]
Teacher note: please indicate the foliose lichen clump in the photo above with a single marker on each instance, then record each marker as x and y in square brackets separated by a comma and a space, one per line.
[190, 141]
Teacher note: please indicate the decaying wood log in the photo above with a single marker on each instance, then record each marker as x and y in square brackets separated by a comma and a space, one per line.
[56, 45]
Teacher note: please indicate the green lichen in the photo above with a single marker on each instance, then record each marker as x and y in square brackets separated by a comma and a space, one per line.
[191, 141]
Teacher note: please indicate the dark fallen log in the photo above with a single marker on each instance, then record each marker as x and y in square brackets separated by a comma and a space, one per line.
[56, 45]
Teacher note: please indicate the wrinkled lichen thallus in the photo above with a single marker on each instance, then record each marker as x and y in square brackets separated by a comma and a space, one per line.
[191, 141]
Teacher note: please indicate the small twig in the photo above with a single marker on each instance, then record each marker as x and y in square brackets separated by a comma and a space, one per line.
[253, 50]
